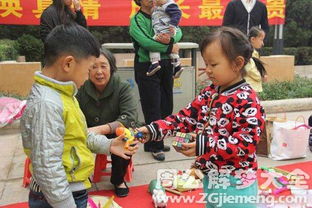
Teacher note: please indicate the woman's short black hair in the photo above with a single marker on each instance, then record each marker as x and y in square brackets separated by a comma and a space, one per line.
[110, 58]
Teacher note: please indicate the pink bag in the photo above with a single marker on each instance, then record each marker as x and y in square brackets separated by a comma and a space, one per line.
[289, 140]
[10, 109]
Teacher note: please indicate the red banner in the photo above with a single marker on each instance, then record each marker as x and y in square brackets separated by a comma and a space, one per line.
[118, 12]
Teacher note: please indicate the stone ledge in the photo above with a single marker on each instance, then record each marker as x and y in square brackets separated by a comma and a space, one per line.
[287, 105]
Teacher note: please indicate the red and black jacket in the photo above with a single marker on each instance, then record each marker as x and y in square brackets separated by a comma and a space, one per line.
[228, 125]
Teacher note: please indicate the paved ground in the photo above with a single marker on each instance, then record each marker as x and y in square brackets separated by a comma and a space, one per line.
[12, 162]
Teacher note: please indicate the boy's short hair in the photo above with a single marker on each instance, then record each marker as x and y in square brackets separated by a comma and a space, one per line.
[70, 39]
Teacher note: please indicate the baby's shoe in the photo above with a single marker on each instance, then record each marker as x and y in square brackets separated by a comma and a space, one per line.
[153, 68]
[177, 71]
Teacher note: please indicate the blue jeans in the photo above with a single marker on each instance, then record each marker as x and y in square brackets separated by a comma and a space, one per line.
[37, 199]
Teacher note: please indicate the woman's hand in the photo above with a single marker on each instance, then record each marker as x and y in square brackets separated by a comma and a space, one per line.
[76, 4]
[118, 147]
[163, 38]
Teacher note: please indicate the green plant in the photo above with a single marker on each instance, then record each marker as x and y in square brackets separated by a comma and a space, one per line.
[298, 25]
[30, 47]
[299, 88]
[7, 50]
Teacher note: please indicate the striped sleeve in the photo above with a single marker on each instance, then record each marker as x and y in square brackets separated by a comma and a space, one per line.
[201, 144]
[153, 132]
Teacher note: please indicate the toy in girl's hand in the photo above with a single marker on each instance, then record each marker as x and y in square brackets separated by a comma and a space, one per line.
[179, 139]
[130, 135]
[159, 196]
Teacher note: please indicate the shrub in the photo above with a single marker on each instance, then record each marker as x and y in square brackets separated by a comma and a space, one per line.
[299, 88]
[7, 50]
[30, 47]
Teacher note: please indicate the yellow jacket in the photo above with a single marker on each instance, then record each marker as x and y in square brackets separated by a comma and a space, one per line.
[56, 139]
[253, 76]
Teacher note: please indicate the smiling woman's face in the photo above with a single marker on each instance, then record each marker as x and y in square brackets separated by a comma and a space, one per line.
[100, 73]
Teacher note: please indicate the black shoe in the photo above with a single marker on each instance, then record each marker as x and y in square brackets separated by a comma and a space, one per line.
[166, 148]
[153, 68]
[160, 156]
[121, 192]
[177, 71]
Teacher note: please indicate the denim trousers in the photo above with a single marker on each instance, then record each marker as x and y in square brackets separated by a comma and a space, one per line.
[37, 199]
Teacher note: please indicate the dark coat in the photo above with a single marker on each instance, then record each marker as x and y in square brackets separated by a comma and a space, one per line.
[236, 16]
[116, 103]
[50, 19]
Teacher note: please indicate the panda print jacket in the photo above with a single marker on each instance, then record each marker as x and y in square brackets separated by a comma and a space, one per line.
[228, 125]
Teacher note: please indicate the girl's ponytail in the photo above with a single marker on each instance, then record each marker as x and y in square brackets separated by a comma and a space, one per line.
[260, 66]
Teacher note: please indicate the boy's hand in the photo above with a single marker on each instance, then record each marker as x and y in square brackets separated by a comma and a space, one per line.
[188, 149]
[76, 4]
[103, 129]
[118, 147]
[146, 134]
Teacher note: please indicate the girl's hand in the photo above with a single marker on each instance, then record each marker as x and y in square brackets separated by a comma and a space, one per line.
[76, 4]
[188, 149]
[146, 134]
[118, 147]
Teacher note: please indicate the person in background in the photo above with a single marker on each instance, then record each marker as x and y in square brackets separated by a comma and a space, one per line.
[53, 128]
[244, 14]
[255, 71]
[60, 12]
[107, 101]
[156, 91]
[225, 119]
[166, 16]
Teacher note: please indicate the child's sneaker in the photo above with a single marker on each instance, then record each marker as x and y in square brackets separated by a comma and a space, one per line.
[177, 71]
[153, 68]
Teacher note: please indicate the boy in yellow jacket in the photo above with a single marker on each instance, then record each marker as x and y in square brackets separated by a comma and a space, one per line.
[54, 130]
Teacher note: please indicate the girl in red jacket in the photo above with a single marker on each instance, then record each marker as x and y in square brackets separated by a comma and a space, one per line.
[226, 119]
